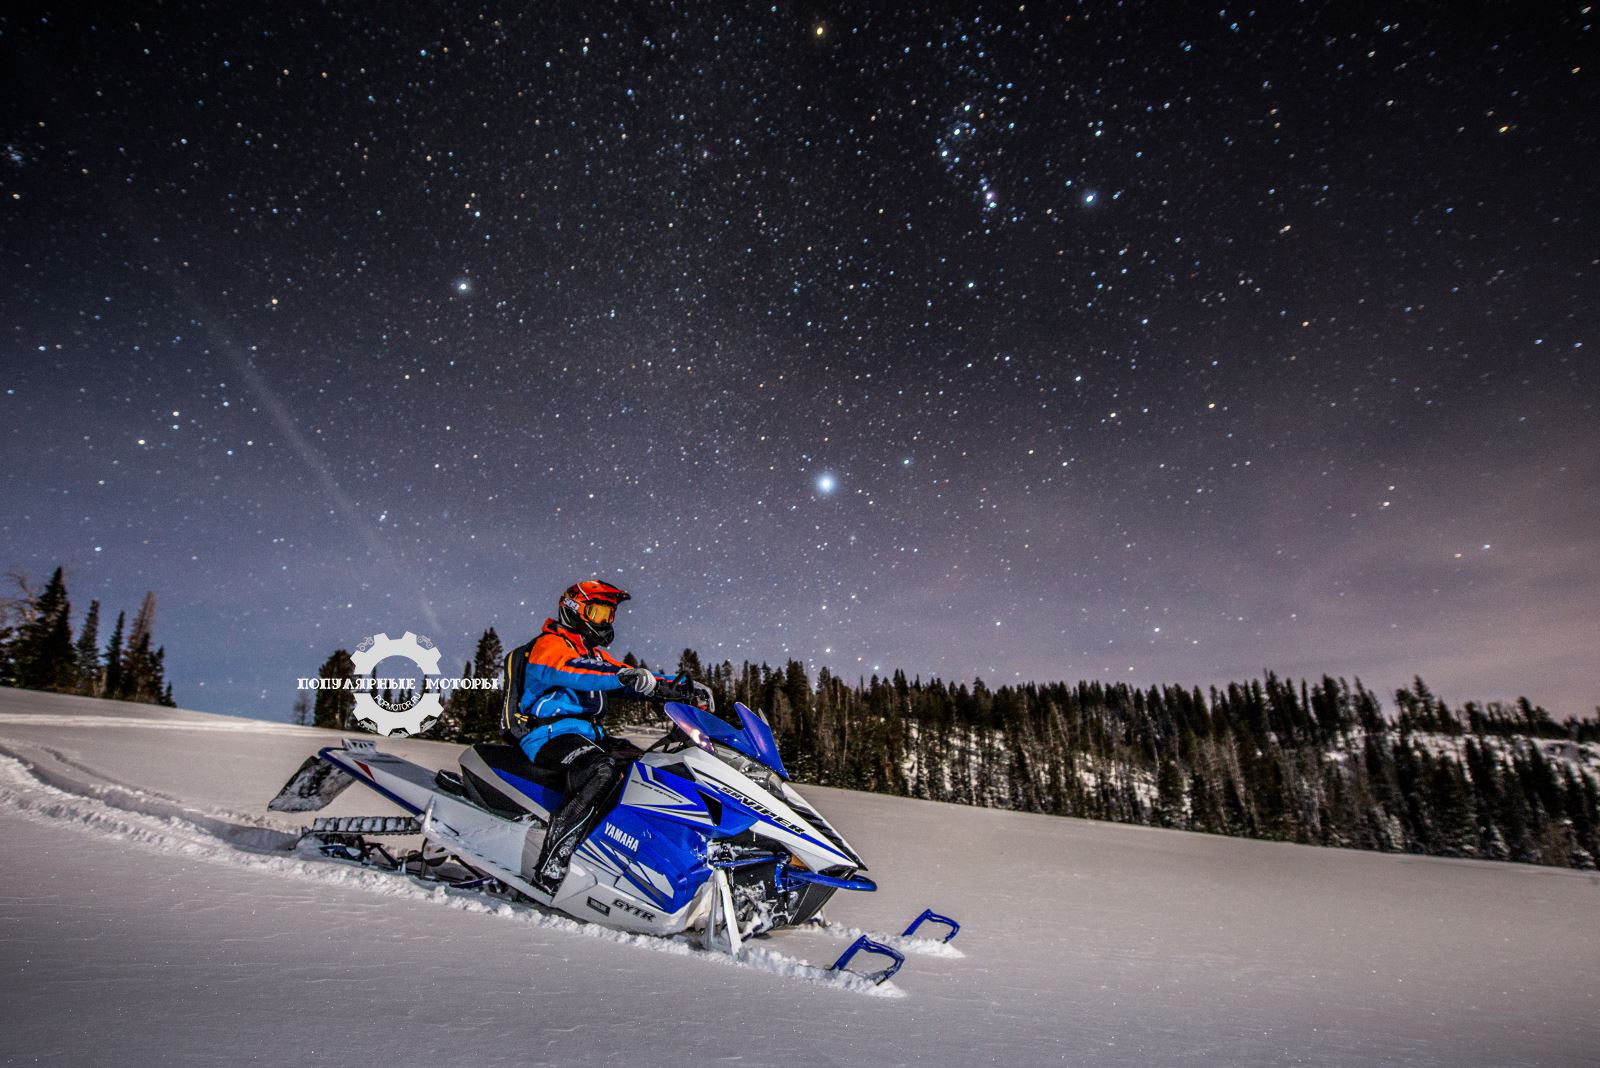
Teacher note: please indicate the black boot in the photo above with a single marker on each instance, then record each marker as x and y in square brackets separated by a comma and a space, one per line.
[587, 800]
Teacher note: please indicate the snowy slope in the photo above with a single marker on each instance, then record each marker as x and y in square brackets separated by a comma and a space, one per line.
[149, 915]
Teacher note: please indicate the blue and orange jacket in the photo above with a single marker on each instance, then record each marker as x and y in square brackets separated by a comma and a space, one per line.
[564, 687]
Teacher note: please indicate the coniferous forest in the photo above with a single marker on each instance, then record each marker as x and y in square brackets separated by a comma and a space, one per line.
[38, 650]
[1319, 763]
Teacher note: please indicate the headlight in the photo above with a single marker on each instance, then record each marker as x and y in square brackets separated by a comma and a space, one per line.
[698, 737]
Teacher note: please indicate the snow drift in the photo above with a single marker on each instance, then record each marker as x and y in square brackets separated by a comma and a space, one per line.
[153, 911]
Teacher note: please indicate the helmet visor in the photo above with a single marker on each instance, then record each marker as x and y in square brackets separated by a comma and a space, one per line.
[598, 613]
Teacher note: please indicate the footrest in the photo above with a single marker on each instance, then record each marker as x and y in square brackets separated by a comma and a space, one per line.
[867, 945]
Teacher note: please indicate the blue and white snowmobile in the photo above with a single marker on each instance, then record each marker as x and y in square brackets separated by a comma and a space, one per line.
[707, 834]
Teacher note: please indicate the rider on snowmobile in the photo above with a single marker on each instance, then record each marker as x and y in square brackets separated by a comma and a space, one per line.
[555, 719]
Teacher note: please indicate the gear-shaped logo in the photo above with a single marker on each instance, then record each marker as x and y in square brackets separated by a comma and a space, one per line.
[372, 715]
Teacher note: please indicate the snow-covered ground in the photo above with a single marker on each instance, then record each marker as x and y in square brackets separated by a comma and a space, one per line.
[151, 914]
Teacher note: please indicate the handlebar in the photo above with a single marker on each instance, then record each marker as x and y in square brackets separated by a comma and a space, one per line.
[679, 688]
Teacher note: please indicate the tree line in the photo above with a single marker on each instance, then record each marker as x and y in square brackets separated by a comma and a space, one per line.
[1318, 763]
[38, 650]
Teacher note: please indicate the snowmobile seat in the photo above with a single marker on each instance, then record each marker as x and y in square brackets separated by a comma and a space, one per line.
[479, 765]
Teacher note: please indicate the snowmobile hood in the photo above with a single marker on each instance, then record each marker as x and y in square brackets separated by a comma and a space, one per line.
[754, 739]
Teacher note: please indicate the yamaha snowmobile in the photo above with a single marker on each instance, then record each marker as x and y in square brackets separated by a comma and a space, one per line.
[706, 835]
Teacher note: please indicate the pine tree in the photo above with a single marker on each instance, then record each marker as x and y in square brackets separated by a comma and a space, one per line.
[450, 727]
[1168, 810]
[88, 653]
[160, 688]
[136, 668]
[1579, 818]
[1203, 810]
[8, 675]
[333, 707]
[690, 662]
[143, 667]
[1453, 815]
[45, 659]
[482, 721]
[113, 685]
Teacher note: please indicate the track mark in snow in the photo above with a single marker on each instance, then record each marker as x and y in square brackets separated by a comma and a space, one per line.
[245, 726]
[129, 815]
[104, 787]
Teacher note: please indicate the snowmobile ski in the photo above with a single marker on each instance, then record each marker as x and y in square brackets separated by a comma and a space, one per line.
[930, 916]
[864, 944]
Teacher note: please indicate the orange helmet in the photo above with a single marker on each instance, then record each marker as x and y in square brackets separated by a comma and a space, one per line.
[590, 608]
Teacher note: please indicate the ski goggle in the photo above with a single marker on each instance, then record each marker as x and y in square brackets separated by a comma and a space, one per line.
[599, 612]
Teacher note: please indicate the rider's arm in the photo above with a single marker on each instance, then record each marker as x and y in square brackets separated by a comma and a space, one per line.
[576, 673]
[661, 680]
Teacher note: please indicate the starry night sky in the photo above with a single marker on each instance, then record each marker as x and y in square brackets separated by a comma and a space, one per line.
[1038, 342]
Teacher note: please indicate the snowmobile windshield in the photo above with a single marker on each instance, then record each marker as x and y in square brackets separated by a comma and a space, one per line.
[752, 739]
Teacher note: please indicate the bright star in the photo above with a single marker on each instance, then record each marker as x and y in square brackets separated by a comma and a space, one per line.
[1090, 197]
[826, 483]
[463, 286]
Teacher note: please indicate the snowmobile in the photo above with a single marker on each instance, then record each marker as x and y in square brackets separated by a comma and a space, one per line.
[707, 834]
